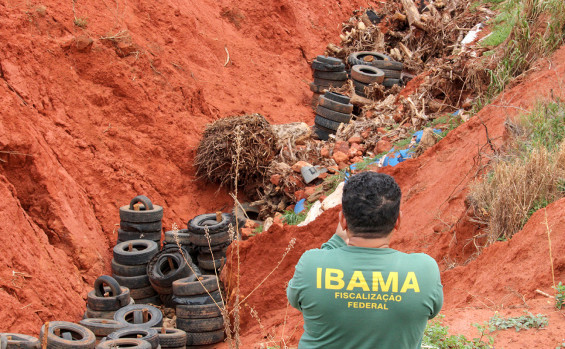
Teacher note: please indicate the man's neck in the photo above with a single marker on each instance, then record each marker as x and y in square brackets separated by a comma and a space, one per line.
[372, 243]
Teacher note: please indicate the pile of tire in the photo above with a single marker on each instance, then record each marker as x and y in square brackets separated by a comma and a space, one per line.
[199, 309]
[392, 69]
[106, 298]
[327, 72]
[129, 268]
[210, 233]
[62, 334]
[140, 221]
[170, 264]
[363, 76]
[333, 109]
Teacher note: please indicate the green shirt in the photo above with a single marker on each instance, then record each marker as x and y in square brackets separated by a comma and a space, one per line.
[357, 297]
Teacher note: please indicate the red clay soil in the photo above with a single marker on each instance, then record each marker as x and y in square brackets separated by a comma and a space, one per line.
[89, 122]
[503, 278]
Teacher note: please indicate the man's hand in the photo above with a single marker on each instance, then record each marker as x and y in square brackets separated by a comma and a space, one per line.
[342, 233]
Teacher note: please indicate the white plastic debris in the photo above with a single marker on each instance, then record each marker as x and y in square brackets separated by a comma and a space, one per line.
[471, 36]
[334, 198]
[314, 212]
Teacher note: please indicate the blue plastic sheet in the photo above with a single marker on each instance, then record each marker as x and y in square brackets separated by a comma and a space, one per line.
[299, 207]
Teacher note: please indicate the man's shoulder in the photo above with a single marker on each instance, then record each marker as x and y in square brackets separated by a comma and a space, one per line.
[420, 260]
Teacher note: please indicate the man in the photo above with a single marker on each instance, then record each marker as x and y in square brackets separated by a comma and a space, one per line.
[356, 292]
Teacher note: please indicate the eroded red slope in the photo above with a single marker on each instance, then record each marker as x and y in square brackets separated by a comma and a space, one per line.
[85, 128]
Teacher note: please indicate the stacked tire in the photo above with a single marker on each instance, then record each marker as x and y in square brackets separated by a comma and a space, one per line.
[167, 266]
[199, 309]
[363, 76]
[144, 333]
[139, 316]
[140, 221]
[101, 327]
[328, 72]
[106, 298]
[171, 338]
[392, 69]
[333, 109]
[62, 334]
[18, 340]
[211, 238]
[129, 268]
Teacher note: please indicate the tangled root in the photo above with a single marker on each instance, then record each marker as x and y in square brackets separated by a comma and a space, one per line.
[242, 145]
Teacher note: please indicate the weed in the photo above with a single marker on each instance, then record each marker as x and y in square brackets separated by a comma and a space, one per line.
[436, 336]
[292, 218]
[523, 322]
[258, 229]
[559, 295]
[80, 22]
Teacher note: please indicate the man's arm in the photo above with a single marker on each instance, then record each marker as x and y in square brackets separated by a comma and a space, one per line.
[296, 284]
[438, 296]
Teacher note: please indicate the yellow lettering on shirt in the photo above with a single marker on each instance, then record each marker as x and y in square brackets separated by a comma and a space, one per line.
[358, 280]
[411, 282]
[334, 279]
[319, 278]
[391, 280]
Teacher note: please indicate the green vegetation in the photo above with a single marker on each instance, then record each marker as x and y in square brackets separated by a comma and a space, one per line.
[446, 123]
[436, 336]
[529, 177]
[258, 229]
[523, 322]
[559, 295]
[291, 218]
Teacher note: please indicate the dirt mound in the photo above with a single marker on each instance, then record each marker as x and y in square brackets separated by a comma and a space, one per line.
[102, 101]
[435, 221]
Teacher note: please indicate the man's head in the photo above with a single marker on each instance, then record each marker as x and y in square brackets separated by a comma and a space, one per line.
[371, 204]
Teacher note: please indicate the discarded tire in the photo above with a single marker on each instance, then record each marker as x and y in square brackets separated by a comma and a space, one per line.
[128, 270]
[20, 341]
[147, 334]
[375, 59]
[133, 315]
[101, 327]
[134, 235]
[337, 97]
[391, 82]
[199, 311]
[329, 83]
[200, 325]
[330, 75]
[328, 124]
[62, 334]
[207, 222]
[327, 72]
[367, 74]
[137, 281]
[317, 65]
[198, 299]
[182, 236]
[322, 133]
[166, 267]
[345, 108]
[141, 252]
[100, 290]
[210, 239]
[208, 261]
[109, 303]
[333, 115]
[195, 285]
[171, 337]
[140, 220]
[130, 343]
[328, 60]
[205, 338]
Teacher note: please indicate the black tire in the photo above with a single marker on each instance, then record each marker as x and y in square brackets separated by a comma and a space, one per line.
[335, 106]
[322, 134]
[244, 211]
[141, 293]
[141, 253]
[329, 83]
[99, 290]
[80, 336]
[333, 115]
[205, 338]
[330, 75]
[367, 74]
[139, 281]
[172, 338]
[202, 311]
[200, 325]
[317, 65]
[317, 89]
[108, 303]
[147, 213]
[199, 299]
[21, 341]
[391, 82]
[182, 236]
[101, 327]
[147, 334]
[160, 272]
[391, 74]
[328, 60]
[215, 239]
[329, 124]
[128, 270]
[337, 97]
[199, 224]
[133, 235]
[98, 314]
[128, 316]
[130, 343]
[205, 261]
[153, 300]
[379, 60]
[141, 227]
[190, 286]
[213, 249]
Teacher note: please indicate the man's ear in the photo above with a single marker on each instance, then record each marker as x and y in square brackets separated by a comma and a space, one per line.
[342, 220]
[397, 224]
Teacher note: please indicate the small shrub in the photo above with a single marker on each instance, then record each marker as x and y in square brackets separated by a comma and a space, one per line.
[436, 335]
[523, 322]
[81, 22]
[559, 295]
[292, 218]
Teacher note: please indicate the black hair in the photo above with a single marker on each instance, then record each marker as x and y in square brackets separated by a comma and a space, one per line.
[371, 204]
